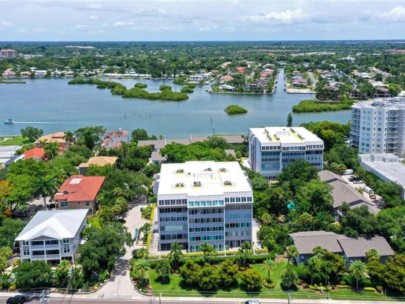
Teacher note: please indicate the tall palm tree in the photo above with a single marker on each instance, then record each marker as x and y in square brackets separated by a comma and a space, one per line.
[51, 150]
[291, 252]
[69, 136]
[175, 255]
[358, 270]
[315, 265]
[245, 250]
[268, 265]
[47, 186]
[207, 249]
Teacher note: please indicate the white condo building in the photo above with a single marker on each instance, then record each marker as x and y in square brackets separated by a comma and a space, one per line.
[52, 235]
[204, 201]
[273, 148]
[378, 126]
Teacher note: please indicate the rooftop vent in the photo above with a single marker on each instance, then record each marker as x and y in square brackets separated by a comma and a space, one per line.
[208, 169]
[179, 185]
[222, 169]
[227, 183]
[197, 184]
[179, 171]
[75, 181]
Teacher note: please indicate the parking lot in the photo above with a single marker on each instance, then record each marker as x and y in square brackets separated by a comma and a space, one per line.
[359, 184]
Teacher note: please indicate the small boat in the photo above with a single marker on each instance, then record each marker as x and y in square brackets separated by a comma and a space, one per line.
[9, 121]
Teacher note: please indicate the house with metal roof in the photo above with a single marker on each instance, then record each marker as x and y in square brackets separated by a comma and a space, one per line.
[342, 193]
[351, 248]
[52, 236]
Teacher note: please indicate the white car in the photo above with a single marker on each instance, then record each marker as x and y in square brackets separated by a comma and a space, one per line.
[252, 302]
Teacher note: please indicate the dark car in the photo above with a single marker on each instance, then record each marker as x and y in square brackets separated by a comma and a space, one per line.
[20, 299]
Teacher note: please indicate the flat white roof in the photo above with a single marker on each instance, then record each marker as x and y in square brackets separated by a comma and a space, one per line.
[392, 170]
[389, 103]
[202, 178]
[284, 135]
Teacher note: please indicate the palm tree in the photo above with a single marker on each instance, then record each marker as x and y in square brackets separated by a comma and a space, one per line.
[163, 269]
[227, 247]
[314, 265]
[139, 270]
[207, 249]
[47, 186]
[51, 150]
[69, 136]
[268, 265]
[358, 270]
[291, 252]
[244, 252]
[175, 255]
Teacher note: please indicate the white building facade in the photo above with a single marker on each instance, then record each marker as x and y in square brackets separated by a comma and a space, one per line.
[273, 148]
[378, 126]
[52, 236]
[204, 201]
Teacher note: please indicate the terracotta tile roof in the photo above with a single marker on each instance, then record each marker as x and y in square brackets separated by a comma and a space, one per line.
[36, 153]
[80, 188]
[58, 137]
[227, 78]
[116, 133]
[100, 161]
[240, 69]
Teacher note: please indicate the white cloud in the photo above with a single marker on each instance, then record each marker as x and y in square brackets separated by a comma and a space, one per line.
[396, 14]
[120, 23]
[80, 27]
[4, 25]
[283, 17]
[94, 6]
[94, 18]
[39, 30]
[21, 30]
[205, 28]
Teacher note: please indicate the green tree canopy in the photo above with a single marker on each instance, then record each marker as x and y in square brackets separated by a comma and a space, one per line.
[31, 133]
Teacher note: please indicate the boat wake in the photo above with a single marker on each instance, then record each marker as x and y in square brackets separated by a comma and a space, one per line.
[35, 122]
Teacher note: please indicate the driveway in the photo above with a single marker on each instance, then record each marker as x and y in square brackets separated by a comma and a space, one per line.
[120, 286]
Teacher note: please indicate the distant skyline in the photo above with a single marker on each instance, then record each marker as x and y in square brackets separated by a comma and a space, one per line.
[203, 20]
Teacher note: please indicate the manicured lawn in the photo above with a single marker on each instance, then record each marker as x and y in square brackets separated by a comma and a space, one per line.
[174, 289]
[12, 140]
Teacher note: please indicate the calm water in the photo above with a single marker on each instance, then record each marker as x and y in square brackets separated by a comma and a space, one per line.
[53, 105]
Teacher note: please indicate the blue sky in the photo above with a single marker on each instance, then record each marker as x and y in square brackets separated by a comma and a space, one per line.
[176, 20]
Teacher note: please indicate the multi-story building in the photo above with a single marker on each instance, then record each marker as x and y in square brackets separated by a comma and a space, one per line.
[8, 53]
[273, 148]
[378, 126]
[204, 201]
[52, 235]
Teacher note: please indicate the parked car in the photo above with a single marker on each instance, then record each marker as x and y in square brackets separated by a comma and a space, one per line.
[351, 178]
[357, 181]
[372, 196]
[368, 190]
[252, 302]
[348, 172]
[19, 299]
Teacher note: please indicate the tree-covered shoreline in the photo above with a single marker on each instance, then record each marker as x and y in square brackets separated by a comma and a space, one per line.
[138, 91]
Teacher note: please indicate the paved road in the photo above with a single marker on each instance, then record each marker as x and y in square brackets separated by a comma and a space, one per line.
[199, 301]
